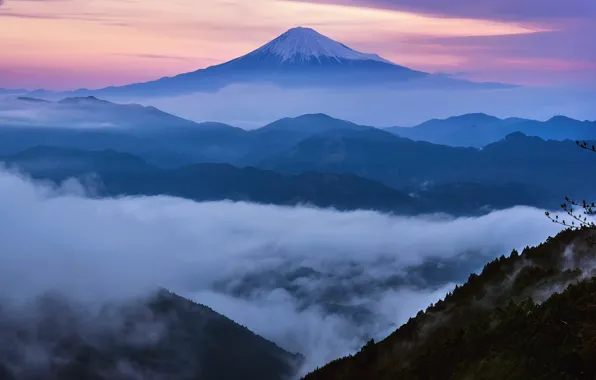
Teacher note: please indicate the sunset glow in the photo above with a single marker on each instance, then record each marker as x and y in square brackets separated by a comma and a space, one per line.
[66, 44]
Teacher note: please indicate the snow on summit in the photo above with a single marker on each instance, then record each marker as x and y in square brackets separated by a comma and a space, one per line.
[304, 44]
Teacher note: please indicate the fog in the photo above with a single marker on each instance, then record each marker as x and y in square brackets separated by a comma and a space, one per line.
[80, 114]
[320, 282]
[256, 105]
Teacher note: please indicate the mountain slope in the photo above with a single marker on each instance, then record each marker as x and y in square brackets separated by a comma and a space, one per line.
[115, 174]
[502, 324]
[91, 123]
[11, 91]
[46, 159]
[372, 153]
[309, 124]
[477, 130]
[124, 174]
[282, 134]
[161, 138]
[416, 165]
[306, 45]
[162, 336]
[300, 57]
[86, 112]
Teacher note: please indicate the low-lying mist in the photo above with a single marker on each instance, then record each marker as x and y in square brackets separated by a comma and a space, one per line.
[316, 281]
[256, 105]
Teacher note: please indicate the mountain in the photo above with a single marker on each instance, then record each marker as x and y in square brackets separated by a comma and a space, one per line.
[61, 163]
[372, 153]
[512, 169]
[309, 124]
[124, 174]
[32, 100]
[477, 130]
[90, 123]
[528, 316]
[86, 112]
[300, 57]
[8, 91]
[416, 165]
[115, 174]
[95, 124]
[158, 337]
[282, 134]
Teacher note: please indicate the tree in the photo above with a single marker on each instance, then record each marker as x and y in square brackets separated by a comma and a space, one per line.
[579, 213]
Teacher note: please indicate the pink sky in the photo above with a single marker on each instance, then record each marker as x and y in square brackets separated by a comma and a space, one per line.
[68, 44]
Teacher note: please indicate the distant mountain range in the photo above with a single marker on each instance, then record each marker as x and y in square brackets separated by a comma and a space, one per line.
[300, 57]
[470, 130]
[110, 173]
[8, 91]
[404, 163]
[477, 130]
[161, 138]
[162, 336]
[388, 172]
[85, 112]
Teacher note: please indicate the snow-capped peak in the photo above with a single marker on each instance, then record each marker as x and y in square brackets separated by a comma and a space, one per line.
[306, 43]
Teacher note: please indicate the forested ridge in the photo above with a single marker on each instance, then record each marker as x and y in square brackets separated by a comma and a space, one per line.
[528, 316]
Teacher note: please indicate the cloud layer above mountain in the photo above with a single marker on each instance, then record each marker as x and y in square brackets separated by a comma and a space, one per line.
[317, 281]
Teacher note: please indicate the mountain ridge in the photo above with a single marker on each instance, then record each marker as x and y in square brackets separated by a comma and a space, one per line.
[300, 44]
[114, 174]
[161, 335]
[478, 129]
[300, 57]
[526, 316]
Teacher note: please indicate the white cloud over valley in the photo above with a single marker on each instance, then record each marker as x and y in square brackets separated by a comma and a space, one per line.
[312, 280]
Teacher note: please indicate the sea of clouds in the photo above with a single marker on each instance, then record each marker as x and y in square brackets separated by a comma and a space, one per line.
[319, 282]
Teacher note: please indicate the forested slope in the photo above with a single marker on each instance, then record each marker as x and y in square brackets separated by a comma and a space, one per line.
[509, 322]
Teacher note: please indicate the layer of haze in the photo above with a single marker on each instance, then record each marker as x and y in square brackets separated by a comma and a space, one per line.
[299, 262]
[252, 106]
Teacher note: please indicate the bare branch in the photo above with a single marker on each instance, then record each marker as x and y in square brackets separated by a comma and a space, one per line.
[578, 219]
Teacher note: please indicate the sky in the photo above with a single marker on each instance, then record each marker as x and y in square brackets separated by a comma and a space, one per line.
[69, 44]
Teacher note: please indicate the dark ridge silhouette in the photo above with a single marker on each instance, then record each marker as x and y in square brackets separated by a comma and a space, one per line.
[162, 336]
[509, 322]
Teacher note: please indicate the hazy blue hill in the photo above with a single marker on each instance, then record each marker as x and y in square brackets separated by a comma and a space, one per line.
[309, 124]
[12, 91]
[403, 163]
[164, 144]
[56, 162]
[161, 336]
[156, 136]
[93, 112]
[477, 130]
[534, 161]
[32, 100]
[372, 153]
[282, 134]
[502, 324]
[320, 143]
[125, 174]
[457, 196]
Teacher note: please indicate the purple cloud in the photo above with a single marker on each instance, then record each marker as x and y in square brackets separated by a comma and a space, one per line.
[513, 10]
